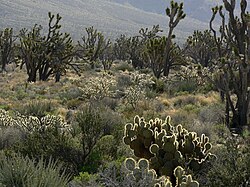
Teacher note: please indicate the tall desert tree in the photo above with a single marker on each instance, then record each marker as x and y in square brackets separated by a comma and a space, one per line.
[6, 47]
[46, 55]
[121, 47]
[154, 55]
[233, 65]
[201, 48]
[93, 45]
[175, 14]
[160, 52]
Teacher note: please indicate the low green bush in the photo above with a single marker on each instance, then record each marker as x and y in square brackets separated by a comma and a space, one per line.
[232, 165]
[36, 108]
[24, 172]
[124, 66]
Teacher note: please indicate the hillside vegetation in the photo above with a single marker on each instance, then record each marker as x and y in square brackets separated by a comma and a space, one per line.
[138, 110]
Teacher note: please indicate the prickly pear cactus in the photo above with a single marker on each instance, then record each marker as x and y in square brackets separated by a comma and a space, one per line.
[139, 172]
[141, 135]
[183, 180]
[165, 146]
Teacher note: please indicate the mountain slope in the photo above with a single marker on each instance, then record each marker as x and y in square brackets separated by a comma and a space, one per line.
[112, 18]
[197, 9]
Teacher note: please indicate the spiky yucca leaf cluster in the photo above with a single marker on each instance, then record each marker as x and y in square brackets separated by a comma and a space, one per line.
[166, 146]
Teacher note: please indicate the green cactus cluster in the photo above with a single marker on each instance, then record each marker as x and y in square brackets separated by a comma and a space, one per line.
[140, 170]
[182, 180]
[166, 146]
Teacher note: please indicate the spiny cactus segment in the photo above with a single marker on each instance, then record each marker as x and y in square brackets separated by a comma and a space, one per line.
[165, 146]
[141, 171]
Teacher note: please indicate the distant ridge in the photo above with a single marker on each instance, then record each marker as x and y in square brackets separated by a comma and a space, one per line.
[112, 18]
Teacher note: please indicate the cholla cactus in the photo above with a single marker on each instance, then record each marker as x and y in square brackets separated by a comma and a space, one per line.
[137, 90]
[191, 71]
[141, 79]
[31, 124]
[99, 87]
[5, 119]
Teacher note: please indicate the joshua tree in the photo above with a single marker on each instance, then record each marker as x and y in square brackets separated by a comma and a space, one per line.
[175, 14]
[233, 65]
[6, 47]
[200, 47]
[48, 55]
[93, 45]
[161, 53]
[121, 48]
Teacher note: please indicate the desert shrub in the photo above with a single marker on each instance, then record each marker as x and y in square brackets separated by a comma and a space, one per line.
[124, 66]
[5, 107]
[74, 103]
[232, 165]
[103, 152]
[212, 114]
[51, 140]
[183, 117]
[24, 172]
[9, 136]
[191, 108]
[215, 132]
[186, 80]
[159, 85]
[84, 179]
[182, 100]
[145, 70]
[111, 103]
[36, 108]
[189, 86]
[20, 94]
[89, 127]
[123, 80]
[70, 93]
